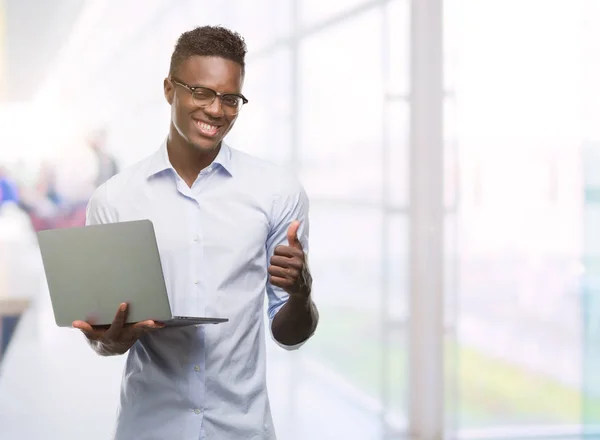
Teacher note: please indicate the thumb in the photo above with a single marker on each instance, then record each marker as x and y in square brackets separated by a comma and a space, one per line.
[292, 235]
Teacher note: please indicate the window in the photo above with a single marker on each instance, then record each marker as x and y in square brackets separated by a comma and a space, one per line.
[358, 249]
[262, 23]
[398, 159]
[263, 125]
[341, 110]
[316, 11]
[518, 344]
[591, 242]
[397, 16]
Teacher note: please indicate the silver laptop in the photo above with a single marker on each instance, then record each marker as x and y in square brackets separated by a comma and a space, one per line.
[90, 270]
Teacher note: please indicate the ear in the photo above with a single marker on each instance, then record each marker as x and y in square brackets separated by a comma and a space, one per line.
[169, 91]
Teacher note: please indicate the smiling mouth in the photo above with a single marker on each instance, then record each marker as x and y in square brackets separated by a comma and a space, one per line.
[207, 129]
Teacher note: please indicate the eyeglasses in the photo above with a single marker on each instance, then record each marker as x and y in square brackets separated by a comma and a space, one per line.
[231, 103]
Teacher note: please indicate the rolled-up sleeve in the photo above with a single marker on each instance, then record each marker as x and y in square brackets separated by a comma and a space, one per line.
[289, 204]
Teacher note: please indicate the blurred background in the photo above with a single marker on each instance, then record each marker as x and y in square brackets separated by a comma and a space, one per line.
[451, 153]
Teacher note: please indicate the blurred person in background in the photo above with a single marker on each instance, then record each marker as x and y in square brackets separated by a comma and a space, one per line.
[9, 192]
[230, 228]
[46, 184]
[41, 201]
[74, 177]
[18, 243]
[106, 163]
[59, 197]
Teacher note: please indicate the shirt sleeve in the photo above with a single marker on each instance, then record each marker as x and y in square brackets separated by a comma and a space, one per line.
[98, 210]
[290, 204]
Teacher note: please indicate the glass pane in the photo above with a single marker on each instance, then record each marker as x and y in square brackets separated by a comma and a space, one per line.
[451, 279]
[398, 163]
[451, 147]
[503, 88]
[451, 32]
[347, 268]
[260, 22]
[520, 223]
[591, 65]
[263, 125]
[397, 15]
[519, 316]
[341, 110]
[396, 379]
[591, 288]
[395, 307]
[314, 11]
[362, 359]
[451, 270]
[396, 265]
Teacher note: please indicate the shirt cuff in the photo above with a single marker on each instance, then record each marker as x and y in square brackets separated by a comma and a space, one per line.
[285, 347]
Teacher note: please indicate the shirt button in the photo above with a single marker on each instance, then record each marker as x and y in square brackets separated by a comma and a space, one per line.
[196, 238]
[197, 368]
[197, 410]
[196, 282]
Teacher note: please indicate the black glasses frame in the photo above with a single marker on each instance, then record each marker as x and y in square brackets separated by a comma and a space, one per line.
[193, 89]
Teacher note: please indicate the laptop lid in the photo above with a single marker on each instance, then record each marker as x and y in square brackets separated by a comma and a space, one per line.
[90, 270]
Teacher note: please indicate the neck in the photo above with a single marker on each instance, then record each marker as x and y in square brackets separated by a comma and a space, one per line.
[188, 160]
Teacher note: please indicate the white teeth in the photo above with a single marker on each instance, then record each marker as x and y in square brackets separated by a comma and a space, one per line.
[207, 127]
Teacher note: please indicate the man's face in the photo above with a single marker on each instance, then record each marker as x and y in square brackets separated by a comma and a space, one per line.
[203, 127]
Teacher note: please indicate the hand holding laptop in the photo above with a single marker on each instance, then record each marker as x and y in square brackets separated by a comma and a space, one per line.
[118, 337]
[89, 269]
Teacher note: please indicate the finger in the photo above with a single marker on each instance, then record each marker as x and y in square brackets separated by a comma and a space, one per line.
[288, 251]
[292, 235]
[284, 283]
[118, 322]
[82, 325]
[280, 261]
[141, 328]
[147, 325]
[283, 272]
[86, 329]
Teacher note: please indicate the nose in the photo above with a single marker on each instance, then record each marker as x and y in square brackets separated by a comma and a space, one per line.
[215, 109]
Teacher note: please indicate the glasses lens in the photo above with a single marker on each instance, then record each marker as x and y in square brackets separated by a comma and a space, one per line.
[231, 104]
[203, 97]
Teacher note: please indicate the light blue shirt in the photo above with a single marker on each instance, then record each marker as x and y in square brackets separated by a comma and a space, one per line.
[215, 241]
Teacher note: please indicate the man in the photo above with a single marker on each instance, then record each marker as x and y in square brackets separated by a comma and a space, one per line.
[229, 227]
[9, 192]
[107, 165]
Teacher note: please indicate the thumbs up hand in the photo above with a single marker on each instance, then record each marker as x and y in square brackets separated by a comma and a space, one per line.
[288, 268]
[292, 235]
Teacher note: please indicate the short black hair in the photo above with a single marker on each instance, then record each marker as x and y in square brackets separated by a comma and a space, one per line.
[211, 41]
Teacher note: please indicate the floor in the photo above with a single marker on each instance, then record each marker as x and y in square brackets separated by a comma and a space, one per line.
[53, 386]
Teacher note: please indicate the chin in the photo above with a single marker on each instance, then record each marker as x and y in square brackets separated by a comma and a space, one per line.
[205, 145]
